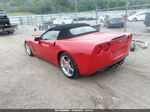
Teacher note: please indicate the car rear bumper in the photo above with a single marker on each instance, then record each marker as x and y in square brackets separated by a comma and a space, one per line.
[100, 65]
[11, 29]
[116, 25]
[119, 62]
[8, 28]
[91, 64]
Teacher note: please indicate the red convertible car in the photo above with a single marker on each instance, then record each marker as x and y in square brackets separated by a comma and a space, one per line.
[80, 49]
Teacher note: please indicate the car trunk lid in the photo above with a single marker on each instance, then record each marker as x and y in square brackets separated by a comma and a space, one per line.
[99, 37]
[119, 42]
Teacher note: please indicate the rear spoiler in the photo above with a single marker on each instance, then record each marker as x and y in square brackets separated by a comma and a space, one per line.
[119, 37]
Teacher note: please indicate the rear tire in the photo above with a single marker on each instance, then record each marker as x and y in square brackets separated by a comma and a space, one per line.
[68, 66]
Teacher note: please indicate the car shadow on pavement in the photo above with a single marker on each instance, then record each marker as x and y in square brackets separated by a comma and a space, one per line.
[101, 74]
[6, 34]
[98, 75]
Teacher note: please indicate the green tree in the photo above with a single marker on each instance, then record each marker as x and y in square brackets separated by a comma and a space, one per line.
[57, 6]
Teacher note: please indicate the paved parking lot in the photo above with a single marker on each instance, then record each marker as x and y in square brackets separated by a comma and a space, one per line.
[30, 82]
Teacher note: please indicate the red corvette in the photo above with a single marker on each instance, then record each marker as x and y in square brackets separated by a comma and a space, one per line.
[80, 49]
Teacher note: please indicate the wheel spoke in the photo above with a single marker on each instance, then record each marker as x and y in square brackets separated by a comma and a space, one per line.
[64, 60]
[65, 63]
[71, 68]
[68, 61]
[68, 70]
[64, 66]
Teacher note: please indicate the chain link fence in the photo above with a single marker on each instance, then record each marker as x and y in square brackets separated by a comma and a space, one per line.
[133, 19]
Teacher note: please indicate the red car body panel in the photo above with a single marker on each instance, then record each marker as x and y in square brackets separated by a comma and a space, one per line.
[82, 49]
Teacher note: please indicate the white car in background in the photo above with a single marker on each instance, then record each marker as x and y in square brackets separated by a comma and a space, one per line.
[140, 16]
[63, 21]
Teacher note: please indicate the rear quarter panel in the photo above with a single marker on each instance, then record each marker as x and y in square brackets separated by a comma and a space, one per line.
[80, 51]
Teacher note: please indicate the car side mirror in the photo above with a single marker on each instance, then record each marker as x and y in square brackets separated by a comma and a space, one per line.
[37, 39]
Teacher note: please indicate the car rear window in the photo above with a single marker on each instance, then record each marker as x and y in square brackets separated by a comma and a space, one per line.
[117, 19]
[82, 30]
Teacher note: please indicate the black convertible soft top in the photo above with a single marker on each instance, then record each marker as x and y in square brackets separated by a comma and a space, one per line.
[65, 30]
[68, 26]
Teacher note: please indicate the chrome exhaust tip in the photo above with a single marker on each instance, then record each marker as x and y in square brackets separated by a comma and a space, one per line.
[115, 66]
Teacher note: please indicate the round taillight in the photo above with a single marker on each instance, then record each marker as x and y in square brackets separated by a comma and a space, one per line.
[106, 47]
[98, 49]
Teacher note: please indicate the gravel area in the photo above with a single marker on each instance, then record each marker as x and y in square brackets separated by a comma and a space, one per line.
[30, 82]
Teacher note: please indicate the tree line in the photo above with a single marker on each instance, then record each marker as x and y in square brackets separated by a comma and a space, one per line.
[63, 6]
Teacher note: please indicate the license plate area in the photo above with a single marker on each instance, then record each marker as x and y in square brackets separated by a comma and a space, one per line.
[119, 52]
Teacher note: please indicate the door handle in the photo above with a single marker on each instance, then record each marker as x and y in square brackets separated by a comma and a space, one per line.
[54, 44]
